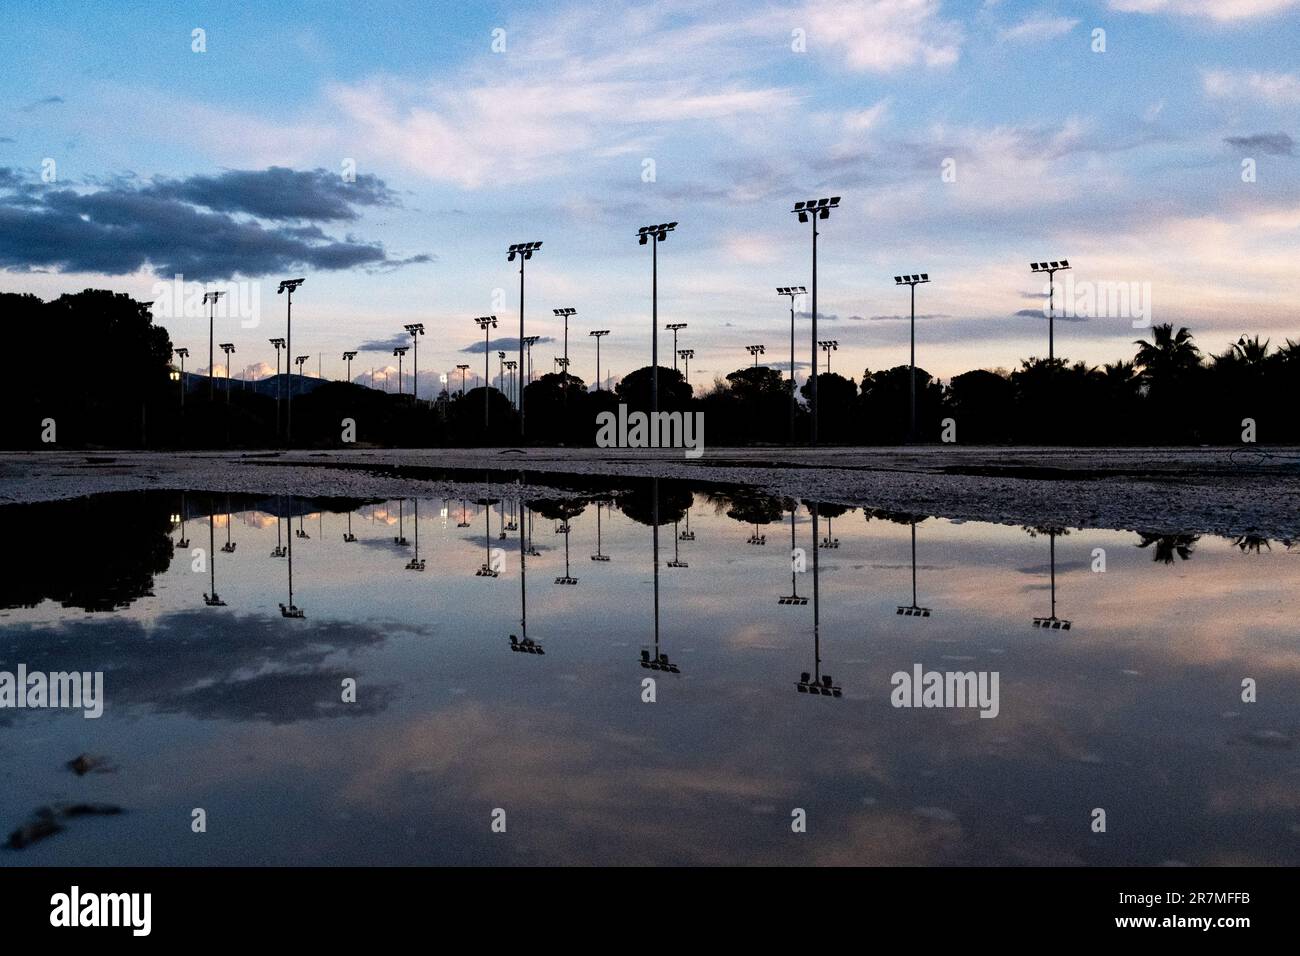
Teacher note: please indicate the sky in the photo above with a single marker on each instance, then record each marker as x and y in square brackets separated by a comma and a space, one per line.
[391, 152]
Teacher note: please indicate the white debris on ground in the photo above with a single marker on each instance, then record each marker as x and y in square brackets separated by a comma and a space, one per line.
[1167, 490]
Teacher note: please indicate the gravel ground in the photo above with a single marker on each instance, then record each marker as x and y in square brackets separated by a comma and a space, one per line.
[1205, 490]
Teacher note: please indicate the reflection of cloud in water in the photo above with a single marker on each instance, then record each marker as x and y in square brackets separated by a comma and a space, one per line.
[243, 668]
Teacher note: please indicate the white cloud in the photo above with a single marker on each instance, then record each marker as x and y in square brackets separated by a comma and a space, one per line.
[591, 84]
[882, 36]
[1222, 11]
[1039, 26]
[1273, 88]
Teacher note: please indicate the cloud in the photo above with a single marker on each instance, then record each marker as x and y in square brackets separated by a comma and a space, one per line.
[122, 228]
[1273, 88]
[883, 36]
[277, 193]
[582, 86]
[1038, 26]
[1274, 144]
[1222, 11]
[37, 104]
[503, 345]
[385, 345]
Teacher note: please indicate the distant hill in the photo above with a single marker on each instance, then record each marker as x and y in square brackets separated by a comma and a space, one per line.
[301, 384]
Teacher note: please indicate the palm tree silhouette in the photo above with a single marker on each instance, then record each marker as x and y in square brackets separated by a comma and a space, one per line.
[1168, 357]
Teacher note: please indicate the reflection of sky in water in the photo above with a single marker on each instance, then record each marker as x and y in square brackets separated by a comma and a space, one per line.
[235, 709]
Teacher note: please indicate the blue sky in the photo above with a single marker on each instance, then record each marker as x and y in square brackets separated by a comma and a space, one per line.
[1128, 162]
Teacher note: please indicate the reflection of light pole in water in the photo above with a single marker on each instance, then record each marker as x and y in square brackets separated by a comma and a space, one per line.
[487, 571]
[399, 539]
[292, 610]
[660, 661]
[416, 563]
[278, 551]
[524, 644]
[677, 562]
[1053, 622]
[913, 610]
[566, 579]
[598, 556]
[212, 600]
[816, 683]
[830, 541]
[348, 536]
[229, 546]
[793, 597]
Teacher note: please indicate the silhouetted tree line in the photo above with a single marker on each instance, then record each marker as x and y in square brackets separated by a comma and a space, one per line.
[95, 364]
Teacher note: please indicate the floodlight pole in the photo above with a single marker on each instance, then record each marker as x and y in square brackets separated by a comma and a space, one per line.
[212, 298]
[288, 285]
[598, 334]
[673, 327]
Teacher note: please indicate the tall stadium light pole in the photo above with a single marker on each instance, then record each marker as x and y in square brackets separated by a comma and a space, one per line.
[565, 313]
[463, 370]
[828, 346]
[183, 354]
[501, 375]
[913, 281]
[300, 361]
[399, 352]
[654, 235]
[686, 355]
[756, 351]
[810, 211]
[228, 348]
[211, 297]
[598, 334]
[416, 329]
[1051, 268]
[524, 251]
[487, 323]
[793, 291]
[288, 285]
[348, 357]
[279, 385]
[674, 328]
[529, 342]
[511, 366]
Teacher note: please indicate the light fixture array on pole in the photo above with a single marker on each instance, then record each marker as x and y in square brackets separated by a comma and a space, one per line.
[524, 251]
[1051, 268]
[416, 329]
[812, 210]
[913, 281]
[674, 328]
[598, 334]
[793, 291]
[756, 351]
[399, 352]
[288, 286]
[211, 297]
[654, 235]
[828, 346]
[487, 323]
[686, 355]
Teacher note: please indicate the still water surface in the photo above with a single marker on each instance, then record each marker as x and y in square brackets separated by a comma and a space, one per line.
[218, 696]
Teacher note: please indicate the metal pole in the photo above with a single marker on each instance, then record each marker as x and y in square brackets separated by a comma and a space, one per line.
[812, 391]
[793, 400]
[487, 374]
[1051, 315]
[521, 345]
[911, 428]
[212, 309]
[654, 361]
[288, 354]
